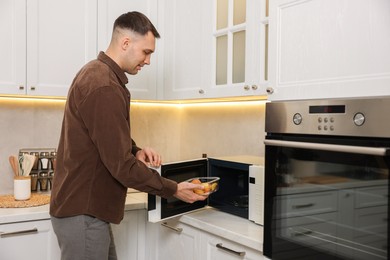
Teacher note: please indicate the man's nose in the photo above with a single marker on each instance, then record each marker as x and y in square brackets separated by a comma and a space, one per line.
[147, 60]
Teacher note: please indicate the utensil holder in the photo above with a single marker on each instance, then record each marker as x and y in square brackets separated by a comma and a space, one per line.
[22, 187]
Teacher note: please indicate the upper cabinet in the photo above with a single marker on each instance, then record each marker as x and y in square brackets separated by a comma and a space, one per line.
[47, 42]
[329, 49]
[144, 84]
[214, 48]
[186, 33]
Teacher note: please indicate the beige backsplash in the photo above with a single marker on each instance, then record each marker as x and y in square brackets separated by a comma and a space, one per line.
[177, 132]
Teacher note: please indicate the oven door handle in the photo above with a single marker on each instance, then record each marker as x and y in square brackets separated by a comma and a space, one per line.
[378, 151]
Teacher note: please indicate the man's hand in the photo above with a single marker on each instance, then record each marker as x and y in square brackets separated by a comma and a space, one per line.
[148, 156]
[185, 192]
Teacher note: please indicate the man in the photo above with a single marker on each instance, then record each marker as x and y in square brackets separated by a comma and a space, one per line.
[97, 159]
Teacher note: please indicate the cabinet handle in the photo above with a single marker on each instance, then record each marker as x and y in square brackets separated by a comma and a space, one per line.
[254, 87]
[177, 230]
[246, 87]
[17, 233]
[201, 91]
[21, 87]
[308, 205]
[32, 88]
[297, 234]
[270, 90]
[220, 246]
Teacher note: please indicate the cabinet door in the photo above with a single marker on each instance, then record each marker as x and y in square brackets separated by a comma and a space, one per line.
[33, 240]
[61, 38]
[143, 85]
[129, 235]
[172, 240]
[187, 48]
[13, 47]
[214, 247]
[240, 35]
[329, 48]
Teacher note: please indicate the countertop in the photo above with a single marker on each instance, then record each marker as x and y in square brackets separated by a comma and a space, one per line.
[134, 201]
[207, 219]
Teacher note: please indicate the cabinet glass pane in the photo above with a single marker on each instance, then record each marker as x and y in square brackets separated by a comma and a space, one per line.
[222, 13]
[239, 12]
[222, 48]
[239, 57]
[266, 54]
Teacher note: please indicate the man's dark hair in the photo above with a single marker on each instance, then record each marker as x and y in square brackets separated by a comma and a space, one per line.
[137, 22]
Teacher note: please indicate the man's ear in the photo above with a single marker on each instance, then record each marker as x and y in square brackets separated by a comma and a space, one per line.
[125, 43]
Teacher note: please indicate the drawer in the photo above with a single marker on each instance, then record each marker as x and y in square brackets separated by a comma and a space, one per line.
[307, 204]
[371, 220]
[371, 196]
[319, 230]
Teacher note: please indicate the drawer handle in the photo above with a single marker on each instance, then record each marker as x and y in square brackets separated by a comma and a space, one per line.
[308, 205]
[306, 233]
[177, 230]
[220, 246]
[17, 233]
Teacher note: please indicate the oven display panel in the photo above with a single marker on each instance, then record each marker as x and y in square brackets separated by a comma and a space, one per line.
[335, 109]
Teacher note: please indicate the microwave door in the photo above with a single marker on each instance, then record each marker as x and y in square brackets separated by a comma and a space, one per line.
[159, 208]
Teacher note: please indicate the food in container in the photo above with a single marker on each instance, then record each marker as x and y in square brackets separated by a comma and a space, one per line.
[210, 184]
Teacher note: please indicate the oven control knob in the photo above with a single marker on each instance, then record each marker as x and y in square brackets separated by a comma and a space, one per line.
[359, 119]
[297, 119]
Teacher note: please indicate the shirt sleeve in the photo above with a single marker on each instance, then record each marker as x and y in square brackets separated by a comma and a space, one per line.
[105, 115]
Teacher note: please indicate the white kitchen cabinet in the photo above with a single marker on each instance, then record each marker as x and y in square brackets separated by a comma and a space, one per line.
[143, 85]
[129, 235]
[47, 42]
[222, 54]
[186, 32]
[329, 49]
[172, 240]
[240, 37]
[217, 248]
[33, 240]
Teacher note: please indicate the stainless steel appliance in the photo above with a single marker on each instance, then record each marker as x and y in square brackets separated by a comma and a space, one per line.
[233, 192]
[327, 179]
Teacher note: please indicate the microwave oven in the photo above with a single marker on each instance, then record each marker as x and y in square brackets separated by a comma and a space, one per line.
[240, 191]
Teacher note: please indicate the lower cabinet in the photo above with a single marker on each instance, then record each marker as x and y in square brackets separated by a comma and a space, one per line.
[33, 240]
[129, 235]
[173, 240]
[217, 248]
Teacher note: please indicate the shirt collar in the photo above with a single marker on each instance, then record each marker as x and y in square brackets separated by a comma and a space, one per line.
[115, 68]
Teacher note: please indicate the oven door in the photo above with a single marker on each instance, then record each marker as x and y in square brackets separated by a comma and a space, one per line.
[160, 208]
[326, 198]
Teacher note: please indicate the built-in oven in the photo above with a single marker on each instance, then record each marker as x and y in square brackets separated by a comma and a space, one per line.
[327, 179]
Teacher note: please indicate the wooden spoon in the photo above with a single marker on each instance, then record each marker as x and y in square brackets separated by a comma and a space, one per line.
[14, 164]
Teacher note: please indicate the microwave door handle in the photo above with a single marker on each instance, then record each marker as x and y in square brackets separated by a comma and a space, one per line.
[377, 151]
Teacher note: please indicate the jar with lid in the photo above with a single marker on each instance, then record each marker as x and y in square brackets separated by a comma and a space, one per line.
[43, 181]
[44, 160]
[35, 165]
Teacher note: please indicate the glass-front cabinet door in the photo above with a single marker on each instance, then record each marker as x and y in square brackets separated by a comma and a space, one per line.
[240, 40]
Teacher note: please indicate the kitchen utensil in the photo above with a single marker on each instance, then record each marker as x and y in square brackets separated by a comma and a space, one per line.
[27, 163]
[14, 164]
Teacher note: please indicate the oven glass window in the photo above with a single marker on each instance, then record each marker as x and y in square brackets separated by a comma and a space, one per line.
[329, 202]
